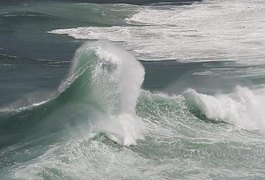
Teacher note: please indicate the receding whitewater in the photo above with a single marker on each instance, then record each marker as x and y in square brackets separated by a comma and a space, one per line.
[126, 91]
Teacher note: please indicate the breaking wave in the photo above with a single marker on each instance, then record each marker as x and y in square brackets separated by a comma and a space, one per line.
[101, 92]
[244, 107]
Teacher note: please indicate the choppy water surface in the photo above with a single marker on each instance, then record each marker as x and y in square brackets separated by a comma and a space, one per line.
[133, 90]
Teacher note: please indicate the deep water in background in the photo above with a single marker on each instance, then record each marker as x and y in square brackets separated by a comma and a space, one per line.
[175, 92]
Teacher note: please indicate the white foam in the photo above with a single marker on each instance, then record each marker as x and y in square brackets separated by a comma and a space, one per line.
[80, 159]
[244, 107]
[210, 30]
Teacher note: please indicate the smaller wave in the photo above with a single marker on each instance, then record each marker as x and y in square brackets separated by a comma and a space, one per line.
[244, 107]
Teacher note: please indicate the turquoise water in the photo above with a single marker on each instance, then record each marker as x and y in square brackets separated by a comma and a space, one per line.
[166, 90]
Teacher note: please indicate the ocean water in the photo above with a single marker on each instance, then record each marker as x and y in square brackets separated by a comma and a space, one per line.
[141, 89]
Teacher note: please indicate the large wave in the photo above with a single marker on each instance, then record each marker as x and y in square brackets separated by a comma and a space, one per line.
[99, 94]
